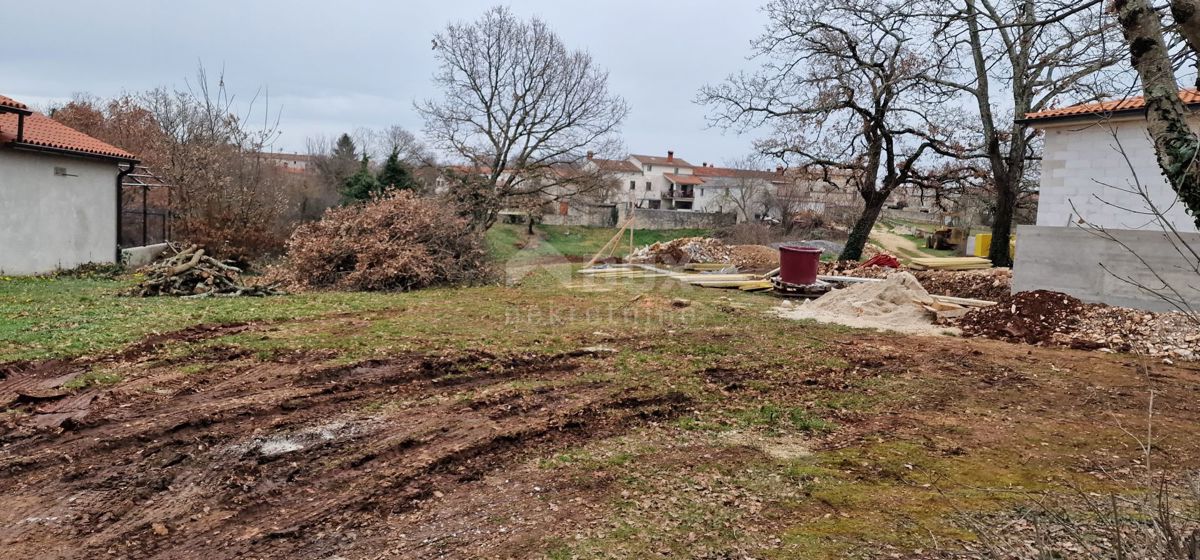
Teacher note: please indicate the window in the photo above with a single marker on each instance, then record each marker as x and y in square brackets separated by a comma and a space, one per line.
[647, 185]
[676, 170]
[649, 168]
[632, 185]
[701, 192]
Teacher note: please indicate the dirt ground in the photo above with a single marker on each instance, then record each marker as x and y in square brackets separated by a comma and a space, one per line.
[229, 453]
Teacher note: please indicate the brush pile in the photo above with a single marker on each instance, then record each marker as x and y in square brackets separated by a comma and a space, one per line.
[193, 274]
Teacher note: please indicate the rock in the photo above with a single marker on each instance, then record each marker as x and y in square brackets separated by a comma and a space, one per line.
[159, 529]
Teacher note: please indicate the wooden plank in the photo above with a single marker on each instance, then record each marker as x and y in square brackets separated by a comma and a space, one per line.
[756, 286]
[723, 283]
[965, 302]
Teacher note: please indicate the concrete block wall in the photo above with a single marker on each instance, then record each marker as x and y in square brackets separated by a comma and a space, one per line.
[1083, 165]
[1068, 259]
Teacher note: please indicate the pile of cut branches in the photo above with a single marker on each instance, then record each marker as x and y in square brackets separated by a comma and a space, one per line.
[191, 273]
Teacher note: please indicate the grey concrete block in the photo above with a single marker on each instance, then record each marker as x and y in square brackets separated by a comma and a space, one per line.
[1073, 260]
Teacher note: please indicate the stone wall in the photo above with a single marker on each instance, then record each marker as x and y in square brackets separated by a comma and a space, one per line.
[1069, 259]
[675, 219]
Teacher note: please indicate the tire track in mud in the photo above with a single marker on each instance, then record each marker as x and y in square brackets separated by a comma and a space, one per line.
[294, 460]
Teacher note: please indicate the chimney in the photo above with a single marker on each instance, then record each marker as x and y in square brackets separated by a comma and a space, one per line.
[705, 164]
[670, 156]
[779, 169]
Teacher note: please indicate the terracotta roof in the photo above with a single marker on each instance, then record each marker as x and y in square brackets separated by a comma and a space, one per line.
[734, 173]
[616, 165]
[44, 132]
[683, 179]
[1188, 96]
[657, 160]
[12, 104]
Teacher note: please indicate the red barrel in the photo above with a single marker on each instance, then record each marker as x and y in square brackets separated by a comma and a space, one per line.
[798, 265]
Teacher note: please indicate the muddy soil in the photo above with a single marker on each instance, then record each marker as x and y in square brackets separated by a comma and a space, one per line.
[291, 458]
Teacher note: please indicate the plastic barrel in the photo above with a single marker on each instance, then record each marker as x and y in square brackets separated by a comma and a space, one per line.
[798, 265]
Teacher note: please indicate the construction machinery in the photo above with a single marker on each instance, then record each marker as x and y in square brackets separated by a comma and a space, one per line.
[950, 237]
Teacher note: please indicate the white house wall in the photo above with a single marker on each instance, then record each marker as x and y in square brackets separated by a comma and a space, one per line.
[49, 221]
[1080, 159]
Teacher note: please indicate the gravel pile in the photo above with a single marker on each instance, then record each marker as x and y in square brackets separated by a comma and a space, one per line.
[1170, 335]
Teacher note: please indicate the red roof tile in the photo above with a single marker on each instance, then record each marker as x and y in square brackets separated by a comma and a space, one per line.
[1188, 96]
[684, 179]
[730, 172]
[615, 165]
[658, 160]
[10, 103]
[42, 131]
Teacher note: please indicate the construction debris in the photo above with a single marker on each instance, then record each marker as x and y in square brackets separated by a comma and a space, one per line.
[1171, 335]
[683, 250]
[754, 257]
[193, 274]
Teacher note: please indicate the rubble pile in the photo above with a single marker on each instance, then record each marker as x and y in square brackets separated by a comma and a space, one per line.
[1171, 335]
[192, 273]
[989, 284]
[754, 257]
[1037, 317]
[683, 250]
[993, 284]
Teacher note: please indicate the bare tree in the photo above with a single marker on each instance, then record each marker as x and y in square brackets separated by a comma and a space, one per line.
[226, 196]
[1175, 143]
[1022, 54]
[844, 91]
[746, 192]
[517, 103]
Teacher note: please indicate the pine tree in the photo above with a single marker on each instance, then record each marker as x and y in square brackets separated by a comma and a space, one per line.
[362, 185]
[395, 174]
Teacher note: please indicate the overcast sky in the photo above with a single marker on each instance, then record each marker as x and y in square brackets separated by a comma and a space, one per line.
[335, 66]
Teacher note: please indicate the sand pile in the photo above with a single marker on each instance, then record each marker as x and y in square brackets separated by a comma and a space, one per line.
[894, 304]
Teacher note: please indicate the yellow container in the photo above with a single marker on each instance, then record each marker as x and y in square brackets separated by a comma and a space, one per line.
[983, 243]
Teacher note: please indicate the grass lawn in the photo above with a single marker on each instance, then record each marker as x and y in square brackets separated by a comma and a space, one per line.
[774, 438]
[576, 243]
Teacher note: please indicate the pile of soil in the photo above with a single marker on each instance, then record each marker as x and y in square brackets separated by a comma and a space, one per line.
[754, 257]
[683, 250]
[1037, 317]
[894, 304]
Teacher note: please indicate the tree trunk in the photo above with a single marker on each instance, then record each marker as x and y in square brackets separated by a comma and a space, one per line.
[1006, 204]
[1174, 142]
[862, 228]
[529, 221]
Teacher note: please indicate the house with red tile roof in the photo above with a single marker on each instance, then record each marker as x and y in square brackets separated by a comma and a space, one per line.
[59, 193]
[1099, 172]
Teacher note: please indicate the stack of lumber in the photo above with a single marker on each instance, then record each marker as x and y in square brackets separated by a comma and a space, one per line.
[193, 274]
[704, 276]
[950, 263]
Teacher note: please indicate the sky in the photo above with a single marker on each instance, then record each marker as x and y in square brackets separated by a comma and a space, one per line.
[331, 67]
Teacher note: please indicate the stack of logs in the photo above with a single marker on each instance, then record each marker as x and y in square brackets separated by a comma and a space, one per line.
[192, 274]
